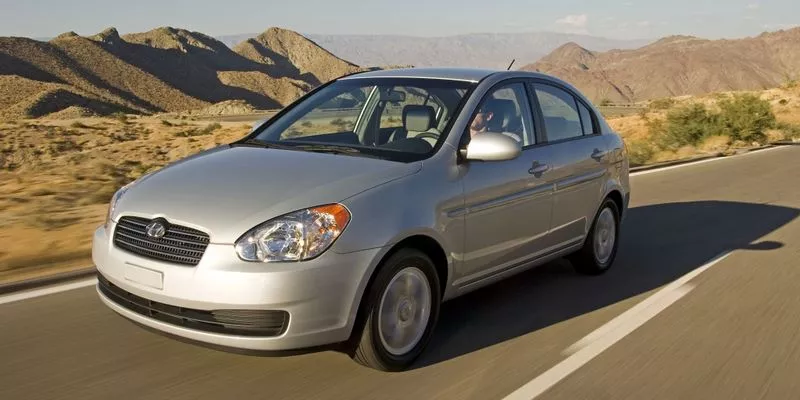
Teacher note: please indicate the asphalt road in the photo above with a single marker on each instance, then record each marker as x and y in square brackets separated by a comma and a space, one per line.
[735, 335]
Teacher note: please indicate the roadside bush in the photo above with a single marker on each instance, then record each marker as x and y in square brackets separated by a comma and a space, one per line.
[790, 131]
[639, 153]
[743, 118]
[746, 117]
[686, 125]
[605, 103]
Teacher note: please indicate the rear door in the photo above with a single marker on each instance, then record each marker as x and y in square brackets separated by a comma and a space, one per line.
[579, 160]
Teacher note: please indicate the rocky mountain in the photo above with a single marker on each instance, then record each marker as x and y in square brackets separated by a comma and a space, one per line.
[678, 65]
[491, 50]
[163, 70]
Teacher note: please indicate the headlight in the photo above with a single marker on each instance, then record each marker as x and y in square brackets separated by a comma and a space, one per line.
[112, 205]
[297, 236]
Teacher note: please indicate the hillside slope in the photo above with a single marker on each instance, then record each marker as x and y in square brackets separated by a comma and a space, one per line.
[287, 53]
[162, 70]
[677, 65]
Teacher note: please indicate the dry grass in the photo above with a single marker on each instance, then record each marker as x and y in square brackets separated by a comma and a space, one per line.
[56, 178]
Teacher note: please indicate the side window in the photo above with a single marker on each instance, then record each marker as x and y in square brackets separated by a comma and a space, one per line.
[586, 119]
[505, 110]
[561, 117]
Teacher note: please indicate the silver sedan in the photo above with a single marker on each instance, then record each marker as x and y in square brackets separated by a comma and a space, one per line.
[350, 216]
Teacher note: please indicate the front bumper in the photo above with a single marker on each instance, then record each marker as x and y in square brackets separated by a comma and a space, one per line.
[321, 296]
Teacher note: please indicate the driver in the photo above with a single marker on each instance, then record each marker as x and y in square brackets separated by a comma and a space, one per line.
[485, 114]
[489, 118]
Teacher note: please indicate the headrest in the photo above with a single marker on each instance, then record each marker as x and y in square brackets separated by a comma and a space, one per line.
[503, 110]
[417, 118]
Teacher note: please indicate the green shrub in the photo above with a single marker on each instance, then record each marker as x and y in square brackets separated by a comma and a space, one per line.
[746, 117]
[686, 125]
[639, 153]
[605, 103]
[791, 131]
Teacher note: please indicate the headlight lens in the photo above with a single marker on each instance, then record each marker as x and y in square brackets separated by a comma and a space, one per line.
[112, 205]
[298, 236]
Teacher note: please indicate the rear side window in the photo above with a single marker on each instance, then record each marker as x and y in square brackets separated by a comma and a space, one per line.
[562, 119]
[586, 120]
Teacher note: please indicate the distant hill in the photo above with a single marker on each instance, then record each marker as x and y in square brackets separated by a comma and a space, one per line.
[490, 50]
[678, 65]
[163, 70]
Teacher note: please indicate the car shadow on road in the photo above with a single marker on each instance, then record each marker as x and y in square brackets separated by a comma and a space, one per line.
[659, 243]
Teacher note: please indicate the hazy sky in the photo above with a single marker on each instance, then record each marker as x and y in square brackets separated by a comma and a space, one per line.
[610, 18]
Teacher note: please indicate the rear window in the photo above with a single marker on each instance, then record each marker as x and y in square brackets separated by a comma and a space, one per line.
[561, 117]
[586, 119]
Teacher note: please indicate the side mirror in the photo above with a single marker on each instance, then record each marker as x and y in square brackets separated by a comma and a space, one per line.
[492, 146]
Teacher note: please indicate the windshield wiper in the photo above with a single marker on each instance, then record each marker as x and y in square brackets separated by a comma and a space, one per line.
[326, 148]
[268, 145]
[334, 149]
[312, 147]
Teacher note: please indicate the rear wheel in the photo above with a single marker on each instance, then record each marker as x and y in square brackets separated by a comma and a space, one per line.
[600, 248]
[402, 308]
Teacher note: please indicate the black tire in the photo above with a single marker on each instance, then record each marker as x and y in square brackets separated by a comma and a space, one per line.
[585, 260]
[370, 351]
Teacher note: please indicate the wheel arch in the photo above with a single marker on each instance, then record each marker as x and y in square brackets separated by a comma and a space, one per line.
[419, 241]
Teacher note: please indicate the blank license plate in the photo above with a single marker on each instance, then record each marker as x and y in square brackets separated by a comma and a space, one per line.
[144, 276]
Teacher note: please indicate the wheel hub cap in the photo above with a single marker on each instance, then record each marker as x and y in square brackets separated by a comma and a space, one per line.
[404, 311]
[605, 236]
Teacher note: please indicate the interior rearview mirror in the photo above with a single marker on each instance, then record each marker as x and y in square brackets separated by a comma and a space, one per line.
[393, 96]
[492, 146]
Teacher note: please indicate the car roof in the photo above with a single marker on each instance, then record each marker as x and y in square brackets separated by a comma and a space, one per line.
[454, 73]
[460, 74]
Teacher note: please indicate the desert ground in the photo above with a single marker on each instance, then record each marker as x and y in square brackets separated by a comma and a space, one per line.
[57, 177]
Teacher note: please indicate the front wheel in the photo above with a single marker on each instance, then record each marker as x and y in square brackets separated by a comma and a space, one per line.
[402, 308]
[600, 248]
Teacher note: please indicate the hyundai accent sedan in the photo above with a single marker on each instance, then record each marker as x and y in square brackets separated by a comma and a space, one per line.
[352, 214]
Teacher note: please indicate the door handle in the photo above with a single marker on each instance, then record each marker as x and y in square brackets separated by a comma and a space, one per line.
[598, 155]
[537, 169]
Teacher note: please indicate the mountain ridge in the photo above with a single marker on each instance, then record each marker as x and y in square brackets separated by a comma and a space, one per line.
[678, 65]
[165, 69]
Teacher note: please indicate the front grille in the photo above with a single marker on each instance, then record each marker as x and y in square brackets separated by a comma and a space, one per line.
[179, 245]
[262, 323]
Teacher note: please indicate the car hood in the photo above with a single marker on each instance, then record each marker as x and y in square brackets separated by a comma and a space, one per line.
[228, 190]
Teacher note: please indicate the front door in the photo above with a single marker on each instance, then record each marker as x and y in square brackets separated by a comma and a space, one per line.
[508, 203]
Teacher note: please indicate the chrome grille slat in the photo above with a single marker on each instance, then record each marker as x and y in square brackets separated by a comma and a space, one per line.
[179, 245]
[164, 240]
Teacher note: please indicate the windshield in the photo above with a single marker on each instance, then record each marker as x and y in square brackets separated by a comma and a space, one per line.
[399, 119]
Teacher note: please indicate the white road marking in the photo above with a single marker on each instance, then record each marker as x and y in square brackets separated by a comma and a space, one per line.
[652, 171]
[10, 298]
[604, 337]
